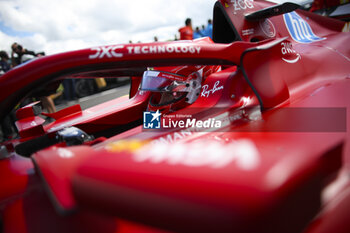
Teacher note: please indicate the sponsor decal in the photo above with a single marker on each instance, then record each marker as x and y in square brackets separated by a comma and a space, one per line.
[214, 154]
[289, 55]
[239, 5]
[106, 51]
[206, 92]
[118, 50]
[267, 28]
[147, 49]
[299, 29]
[247, 32]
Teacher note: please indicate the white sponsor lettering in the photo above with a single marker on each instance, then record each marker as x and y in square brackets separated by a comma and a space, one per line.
[106, 51]
[150, 49]
[202, 153]
[242, 4]
[216, 87]
[247, 32]
[114, 51]
[287, 49]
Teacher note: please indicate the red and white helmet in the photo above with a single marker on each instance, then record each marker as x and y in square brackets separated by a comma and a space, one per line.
[174, 88]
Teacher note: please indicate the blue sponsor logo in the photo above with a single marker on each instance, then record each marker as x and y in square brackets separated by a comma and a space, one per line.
[299, 29]
[151, 120]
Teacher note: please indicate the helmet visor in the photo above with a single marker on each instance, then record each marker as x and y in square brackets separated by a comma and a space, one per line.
[163, 82]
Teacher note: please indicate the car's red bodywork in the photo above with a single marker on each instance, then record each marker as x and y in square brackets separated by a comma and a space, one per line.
[279, 163]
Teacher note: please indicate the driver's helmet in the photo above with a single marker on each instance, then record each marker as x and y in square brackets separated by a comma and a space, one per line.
[174, 88]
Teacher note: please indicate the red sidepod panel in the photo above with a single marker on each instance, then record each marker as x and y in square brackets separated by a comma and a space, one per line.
[212, 185]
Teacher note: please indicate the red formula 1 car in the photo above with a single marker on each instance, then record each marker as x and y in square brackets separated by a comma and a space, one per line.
[247, 134]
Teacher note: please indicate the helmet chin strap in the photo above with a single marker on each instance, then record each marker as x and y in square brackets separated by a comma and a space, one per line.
[195, 87]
